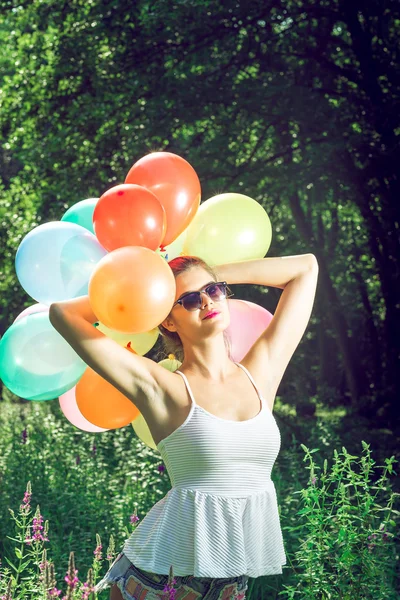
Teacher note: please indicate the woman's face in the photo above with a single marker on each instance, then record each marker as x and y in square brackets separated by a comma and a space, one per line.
[192, 325]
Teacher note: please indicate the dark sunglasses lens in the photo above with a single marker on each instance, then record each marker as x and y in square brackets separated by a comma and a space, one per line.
[192, 301]
[216, 291]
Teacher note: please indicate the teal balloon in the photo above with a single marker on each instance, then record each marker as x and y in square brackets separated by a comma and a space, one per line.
[55, 261]
[36, 362]
[81, 213]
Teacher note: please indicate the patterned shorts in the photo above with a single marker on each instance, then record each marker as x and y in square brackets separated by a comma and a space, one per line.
[136, 584]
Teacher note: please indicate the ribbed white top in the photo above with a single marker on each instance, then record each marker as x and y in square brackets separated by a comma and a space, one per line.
[220, 518]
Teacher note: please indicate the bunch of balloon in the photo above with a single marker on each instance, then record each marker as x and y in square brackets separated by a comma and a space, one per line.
[131, 290]
[112, 249]
[139, 424]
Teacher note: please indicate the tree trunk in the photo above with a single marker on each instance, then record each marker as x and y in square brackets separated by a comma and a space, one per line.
[354, 373]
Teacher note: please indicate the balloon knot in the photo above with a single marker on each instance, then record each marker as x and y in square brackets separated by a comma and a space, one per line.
[162, 248]
[171, 356]
[128, 347]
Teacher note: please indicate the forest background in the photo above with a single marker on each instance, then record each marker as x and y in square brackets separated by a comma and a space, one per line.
[294, 103]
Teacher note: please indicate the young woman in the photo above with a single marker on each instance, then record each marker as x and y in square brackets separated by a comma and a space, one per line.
[213, 425]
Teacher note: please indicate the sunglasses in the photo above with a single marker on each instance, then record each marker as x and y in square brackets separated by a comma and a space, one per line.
[216, 291]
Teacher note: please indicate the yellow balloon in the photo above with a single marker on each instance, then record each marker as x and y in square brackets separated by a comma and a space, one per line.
[143, 432]
[141, 343]
[139, 424]
[229, 228]
[171, 364]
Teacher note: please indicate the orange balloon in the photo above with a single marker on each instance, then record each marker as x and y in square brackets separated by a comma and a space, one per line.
[132, 289]
[175, 183]
[129, 215]
[101, 402]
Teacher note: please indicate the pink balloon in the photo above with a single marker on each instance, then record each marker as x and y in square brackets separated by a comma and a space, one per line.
[248, 321]
[71, 411]
[35, 308]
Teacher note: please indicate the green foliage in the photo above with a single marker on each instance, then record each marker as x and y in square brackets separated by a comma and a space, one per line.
[345, 530]
[86, 484]
[293, 103]
[339, 523]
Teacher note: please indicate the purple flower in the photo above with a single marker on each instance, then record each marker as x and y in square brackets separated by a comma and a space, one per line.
[313, 480]
[97, 552]
[72, 580]
[28, 539]
[77, 459]
[86, 590]
[169, 587]
[25, 506]
[39, 534]
[134, 519]
[24, 436]
[43, 565]
[38, 528]
[94, 449]
[161, 468]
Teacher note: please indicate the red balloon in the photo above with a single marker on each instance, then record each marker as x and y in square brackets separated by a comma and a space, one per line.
[175, 183]
[129, 215]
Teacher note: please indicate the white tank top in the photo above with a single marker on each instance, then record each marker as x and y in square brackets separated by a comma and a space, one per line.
[220, 518]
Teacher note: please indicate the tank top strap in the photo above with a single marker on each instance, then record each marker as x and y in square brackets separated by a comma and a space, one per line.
[251, 379]
[185, 379]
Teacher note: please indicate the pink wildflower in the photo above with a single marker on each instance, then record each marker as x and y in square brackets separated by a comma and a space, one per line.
[25, 506]
[134, 519]
[72, 580]
[86, 590]
[37, 527]
[97, 552]
[169, 587]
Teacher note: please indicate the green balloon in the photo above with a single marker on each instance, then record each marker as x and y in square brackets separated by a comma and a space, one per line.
[229, 228]
[36, 362]
[81, 213]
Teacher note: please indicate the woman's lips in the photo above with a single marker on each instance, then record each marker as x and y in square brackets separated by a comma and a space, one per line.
[214, 313]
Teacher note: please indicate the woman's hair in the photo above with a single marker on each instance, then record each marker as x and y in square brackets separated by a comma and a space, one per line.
[171, 340]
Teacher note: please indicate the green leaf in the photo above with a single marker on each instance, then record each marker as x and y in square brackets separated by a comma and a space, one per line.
[18, 552]
[11, 564]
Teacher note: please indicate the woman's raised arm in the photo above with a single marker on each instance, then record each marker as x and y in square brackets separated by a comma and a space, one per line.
[269, 356]
[140, 379]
